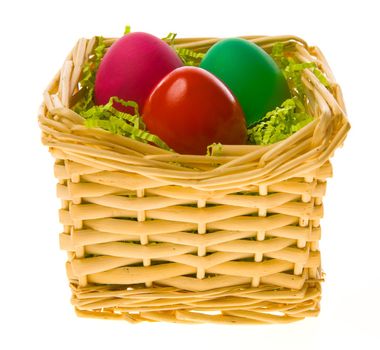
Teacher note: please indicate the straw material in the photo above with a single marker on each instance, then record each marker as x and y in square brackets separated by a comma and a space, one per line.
[153, 235]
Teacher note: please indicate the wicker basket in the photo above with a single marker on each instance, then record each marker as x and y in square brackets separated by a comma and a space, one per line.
[153, 235]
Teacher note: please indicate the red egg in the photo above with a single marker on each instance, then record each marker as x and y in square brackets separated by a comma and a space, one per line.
[191, 109]
[132, 67]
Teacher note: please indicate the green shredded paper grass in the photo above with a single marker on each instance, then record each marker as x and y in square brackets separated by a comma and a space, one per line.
[275, 126]
[188, 57]
[291, 116]
[280, 123]
[109, 118]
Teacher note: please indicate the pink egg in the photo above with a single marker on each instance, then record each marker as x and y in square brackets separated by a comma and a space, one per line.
[132, 67]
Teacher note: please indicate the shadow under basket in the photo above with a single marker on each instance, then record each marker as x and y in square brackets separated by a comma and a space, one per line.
[153, 235]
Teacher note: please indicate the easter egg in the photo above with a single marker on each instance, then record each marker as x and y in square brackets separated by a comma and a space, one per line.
[132, 67]
[250, 73]
[191, 109]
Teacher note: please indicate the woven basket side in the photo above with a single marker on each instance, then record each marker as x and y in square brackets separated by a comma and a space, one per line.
[192, 250]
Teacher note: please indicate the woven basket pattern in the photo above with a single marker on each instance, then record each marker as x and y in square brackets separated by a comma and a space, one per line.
[153, 235]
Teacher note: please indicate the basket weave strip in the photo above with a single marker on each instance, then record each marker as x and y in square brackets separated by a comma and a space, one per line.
[153, 235]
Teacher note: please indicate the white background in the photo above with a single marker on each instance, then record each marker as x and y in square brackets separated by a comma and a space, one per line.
[35, 38]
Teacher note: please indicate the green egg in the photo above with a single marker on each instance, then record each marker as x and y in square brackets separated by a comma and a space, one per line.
[250, 73]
